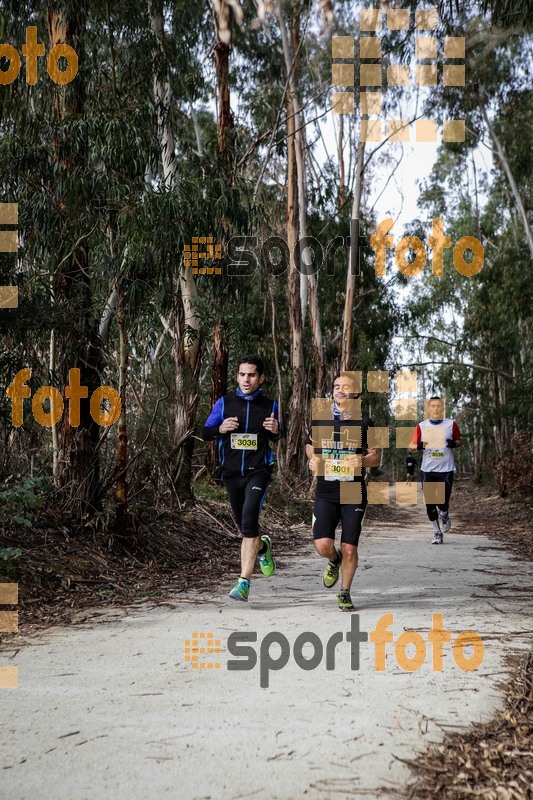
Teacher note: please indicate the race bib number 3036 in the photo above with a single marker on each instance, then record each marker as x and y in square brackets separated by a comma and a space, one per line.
[244, 441]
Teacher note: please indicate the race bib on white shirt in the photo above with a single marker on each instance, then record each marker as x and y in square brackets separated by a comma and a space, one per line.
[437, 457]
[337, 470]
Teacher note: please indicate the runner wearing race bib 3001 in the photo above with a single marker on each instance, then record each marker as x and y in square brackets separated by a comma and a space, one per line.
[437, 437]
[339, 461]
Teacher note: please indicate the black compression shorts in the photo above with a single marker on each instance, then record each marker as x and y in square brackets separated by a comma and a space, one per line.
[328, 512]
[246, 495]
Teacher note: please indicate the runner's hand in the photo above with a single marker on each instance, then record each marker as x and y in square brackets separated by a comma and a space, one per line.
[271, 424]
[354, 461]
[229, 424]
[314, 463]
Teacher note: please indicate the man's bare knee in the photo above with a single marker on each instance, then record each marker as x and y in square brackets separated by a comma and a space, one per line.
[324, 547]
[349, 551]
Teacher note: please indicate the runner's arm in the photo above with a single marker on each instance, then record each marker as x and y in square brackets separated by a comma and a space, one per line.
[416, 442]
[214, 421]
[455, 441]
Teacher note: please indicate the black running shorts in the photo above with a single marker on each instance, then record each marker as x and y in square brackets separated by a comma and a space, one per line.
[246, 495]
[328, 512]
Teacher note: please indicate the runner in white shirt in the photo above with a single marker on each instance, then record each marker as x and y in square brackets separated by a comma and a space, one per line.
[437, 437]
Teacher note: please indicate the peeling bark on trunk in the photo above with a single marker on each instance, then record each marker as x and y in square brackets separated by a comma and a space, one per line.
[224, 19]
[293, 452]
[186, 348]
[78, 471]
[224, 22]
[219, 382]
[308, 284]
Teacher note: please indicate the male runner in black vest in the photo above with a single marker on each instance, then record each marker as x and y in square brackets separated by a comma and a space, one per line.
[243, 424]
[341, 495]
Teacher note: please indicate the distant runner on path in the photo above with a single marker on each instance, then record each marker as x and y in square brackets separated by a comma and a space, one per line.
[437, 437]
[410, 465]
[340, 461]
[243, 424]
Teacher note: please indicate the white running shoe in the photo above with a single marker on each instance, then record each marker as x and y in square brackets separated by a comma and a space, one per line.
[445, 522]
[437, 538]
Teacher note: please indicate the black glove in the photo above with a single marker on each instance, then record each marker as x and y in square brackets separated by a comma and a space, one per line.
[450, 443]
[420, 446]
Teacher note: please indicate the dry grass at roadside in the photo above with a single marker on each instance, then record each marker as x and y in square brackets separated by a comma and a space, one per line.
[492, 761]
[64, 569]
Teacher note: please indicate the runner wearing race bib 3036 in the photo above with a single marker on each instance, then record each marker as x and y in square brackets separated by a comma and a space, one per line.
[244, 424]
[437, 437]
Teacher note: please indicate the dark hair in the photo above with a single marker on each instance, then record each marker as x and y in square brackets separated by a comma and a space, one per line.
[435, 397]
[257, 361]
[344, 374]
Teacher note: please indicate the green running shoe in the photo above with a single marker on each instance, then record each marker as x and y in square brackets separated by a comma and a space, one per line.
[241, 590]
[331, 573]
[345, 601]
[266, 562]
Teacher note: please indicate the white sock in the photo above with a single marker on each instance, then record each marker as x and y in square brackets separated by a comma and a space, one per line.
[436, 527]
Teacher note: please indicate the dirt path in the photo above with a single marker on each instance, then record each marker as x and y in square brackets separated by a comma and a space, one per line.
[110, 706]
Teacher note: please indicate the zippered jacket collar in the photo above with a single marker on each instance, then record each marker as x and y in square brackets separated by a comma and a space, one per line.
[251, 396]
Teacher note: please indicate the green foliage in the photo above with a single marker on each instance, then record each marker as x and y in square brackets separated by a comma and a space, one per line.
[7, 554]
[19, 500]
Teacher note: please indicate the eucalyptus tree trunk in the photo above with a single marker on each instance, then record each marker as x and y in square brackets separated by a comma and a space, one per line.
[219, 381]
[224, 18]
[121, 486]
[347, 327]
[510, 177]
[78, 469]
[55, 437]
[294, 441]
[308, 284]
[186, 347]
[342, 175]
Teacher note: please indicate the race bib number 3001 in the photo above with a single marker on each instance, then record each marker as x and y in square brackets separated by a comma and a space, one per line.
[244, 441]
[335, 470]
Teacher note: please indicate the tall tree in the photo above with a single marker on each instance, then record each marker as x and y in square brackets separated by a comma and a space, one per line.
[79, 464]
[186, 343]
